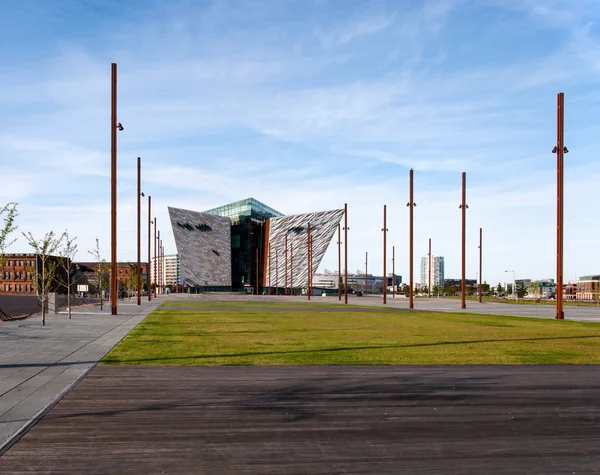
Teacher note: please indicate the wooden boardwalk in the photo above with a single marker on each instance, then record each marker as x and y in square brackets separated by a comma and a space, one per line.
[320, 420]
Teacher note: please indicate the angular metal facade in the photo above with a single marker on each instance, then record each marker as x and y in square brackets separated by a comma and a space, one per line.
[204, 246]
[323, 225]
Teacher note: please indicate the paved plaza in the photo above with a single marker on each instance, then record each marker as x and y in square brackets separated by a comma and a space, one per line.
[39, 363]
[60, 413]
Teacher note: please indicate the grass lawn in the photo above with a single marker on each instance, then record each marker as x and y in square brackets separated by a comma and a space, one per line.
[230, 336]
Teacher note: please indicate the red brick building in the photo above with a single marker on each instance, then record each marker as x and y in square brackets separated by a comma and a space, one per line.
[17, 275]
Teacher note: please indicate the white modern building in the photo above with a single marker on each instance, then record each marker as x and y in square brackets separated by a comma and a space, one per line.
[437, 271]
[171, 271]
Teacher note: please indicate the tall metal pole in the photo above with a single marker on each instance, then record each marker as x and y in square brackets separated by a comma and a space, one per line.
[366, 275]
[155, 263]
[285, 252]
[339, 243]
[560, 150]
[429, 272]
[148, 276]
[411, 205]
[269, 259]
[480, 263]
[345, 253]
[139, 230]
[256, 285]
[292, 268]
[393, 272]
[276, 271]
[384, 255]
[463, 287]
[113, 191]
[158, 280]
[308, 244]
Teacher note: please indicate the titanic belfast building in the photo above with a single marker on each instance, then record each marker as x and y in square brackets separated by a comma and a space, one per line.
[236, 246]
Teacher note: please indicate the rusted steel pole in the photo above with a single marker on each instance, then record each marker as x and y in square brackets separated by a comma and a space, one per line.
[366, 275]
[269, 259]
[411, 205]
[393, 272]
[384, 255]
[463, 287]
[139, 230]
[560, 148]
[276, 271]
[155, 263]
[480, 263]
[113, 191]
[285, 252]
[256, 285]
[311, 263]
[308, 244]
[339, 243]
[148, 276]
[345, 253]
[292, 268]
[158, 279]
[429, 272]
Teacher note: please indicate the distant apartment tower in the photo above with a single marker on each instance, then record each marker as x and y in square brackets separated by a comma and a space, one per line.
[171, 272]
[437, 271]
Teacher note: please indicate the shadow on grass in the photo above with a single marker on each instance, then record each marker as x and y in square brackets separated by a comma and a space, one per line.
[349, 348]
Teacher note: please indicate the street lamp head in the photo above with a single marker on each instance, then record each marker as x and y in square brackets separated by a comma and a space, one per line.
[143, 194]
[119, 126]
[565, 150]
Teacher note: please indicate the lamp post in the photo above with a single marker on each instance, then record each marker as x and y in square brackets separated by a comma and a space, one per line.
[276, 271]
[158, 277]
[411, 204]
[560, 150]
[114, 126]
[346, 253]
[292, 268]
[339, 280]
[139, 230]
[429, 272]
[393, 272]
[285, 253]
[257, 276]
[384, 255]
[309, 259]
[155, 263]
[148, 276]
[480, 263]
[366, 275]
[463, 207]
[269, 259]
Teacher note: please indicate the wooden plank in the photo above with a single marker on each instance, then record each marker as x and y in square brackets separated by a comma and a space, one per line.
[371, 419]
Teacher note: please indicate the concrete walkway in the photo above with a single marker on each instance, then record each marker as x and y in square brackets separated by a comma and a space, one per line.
[38, 364]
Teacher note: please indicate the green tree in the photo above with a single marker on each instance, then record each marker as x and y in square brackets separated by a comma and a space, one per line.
[436, 290]
[499, 289]
[103, 272]
[67, 253]
[45, 248]
[485, 287]
[471, 289]
[521, 290]
[424, 290]
[535, 290]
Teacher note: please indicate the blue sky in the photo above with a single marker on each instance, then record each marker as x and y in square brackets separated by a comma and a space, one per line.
[305, 105]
